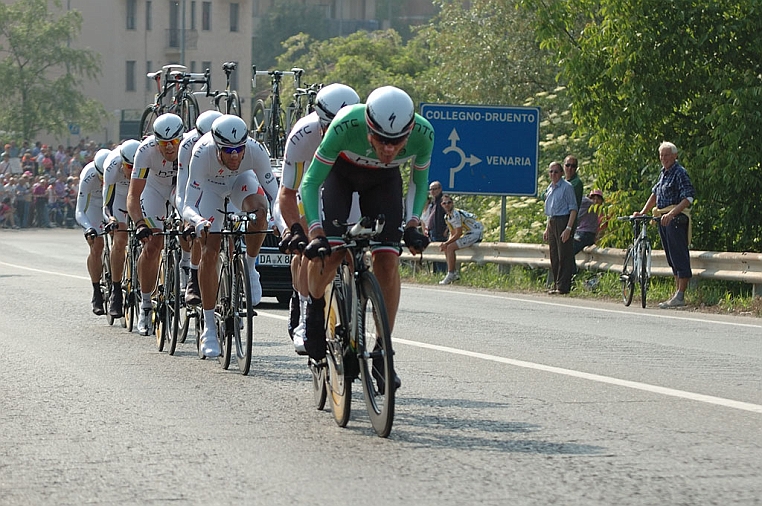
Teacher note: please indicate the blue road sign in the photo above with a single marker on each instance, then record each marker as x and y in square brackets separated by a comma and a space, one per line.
[485, 150]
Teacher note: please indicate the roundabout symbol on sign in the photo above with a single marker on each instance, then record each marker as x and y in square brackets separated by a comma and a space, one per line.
[471, 159]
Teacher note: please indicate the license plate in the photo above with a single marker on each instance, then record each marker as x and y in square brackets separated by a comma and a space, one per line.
[278, 259]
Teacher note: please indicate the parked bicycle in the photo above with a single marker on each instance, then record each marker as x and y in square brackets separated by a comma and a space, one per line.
[227, 101]
[164, 87]
[637, 260]
[183, 102]
[233, 311]
[358, 337]
[268, 119]
[303, 103]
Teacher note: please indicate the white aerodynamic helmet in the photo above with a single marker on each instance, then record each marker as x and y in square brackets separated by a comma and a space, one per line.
[100, 158]
[205, 120]
[128, 150]
[389, 112]
[168, 127]
[229, 131]
[332, 98]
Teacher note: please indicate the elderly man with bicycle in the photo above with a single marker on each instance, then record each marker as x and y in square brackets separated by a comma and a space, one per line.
[670, 201]
[151, 194]
[226, 164]
[362, 152]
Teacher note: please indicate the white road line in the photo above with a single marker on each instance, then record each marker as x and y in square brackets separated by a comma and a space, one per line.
[719, 401]
[87, 278]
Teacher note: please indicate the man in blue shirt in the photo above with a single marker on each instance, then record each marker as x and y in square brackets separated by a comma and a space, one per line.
[670, 199]
[561, 210]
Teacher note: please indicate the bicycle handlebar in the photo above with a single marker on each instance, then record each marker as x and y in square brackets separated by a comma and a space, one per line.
[638, 218]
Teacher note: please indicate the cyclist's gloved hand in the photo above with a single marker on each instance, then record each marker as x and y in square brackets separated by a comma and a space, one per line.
[319, 246]
[143, 231]
[415, 240]
[111, 226]
[201, 226]
[299, 239]
[91, 233]
[189, 232]
[284, 240]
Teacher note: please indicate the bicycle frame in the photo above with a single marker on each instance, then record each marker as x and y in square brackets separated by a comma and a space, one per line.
[637, 262]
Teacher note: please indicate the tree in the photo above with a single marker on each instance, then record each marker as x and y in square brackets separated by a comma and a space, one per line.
[40, 74]
[284, 20]
[642, 71]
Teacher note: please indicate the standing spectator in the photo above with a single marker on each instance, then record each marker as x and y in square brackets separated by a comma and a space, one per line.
[561, 210]
[5, 165]
[46, 162]
[670, 199]
[24, 199]
[60, 158]
[464, 229]
[29, 164]
[570, 171]
[40, 199]
[7, 214]
[435, 219]
[588, 221]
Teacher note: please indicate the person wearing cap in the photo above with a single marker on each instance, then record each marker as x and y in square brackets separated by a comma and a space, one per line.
[588, 220]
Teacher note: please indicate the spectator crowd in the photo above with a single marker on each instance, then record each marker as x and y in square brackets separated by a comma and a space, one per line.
[40, 185]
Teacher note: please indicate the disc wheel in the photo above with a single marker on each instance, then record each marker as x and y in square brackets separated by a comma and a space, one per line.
[375, 355]
[628, 277]
[243, 315]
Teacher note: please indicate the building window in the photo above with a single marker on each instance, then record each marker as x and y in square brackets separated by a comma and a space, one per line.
[255, 8]
[206, 15]
[193, 15]
[193, 66]
[149, 82]
[234, 17]
[130, 76]
[149, 15]
[132, 8]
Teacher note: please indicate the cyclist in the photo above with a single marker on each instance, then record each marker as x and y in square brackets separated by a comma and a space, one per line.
[190, 259]
[226, 162]
[116, 184]
[151, 193]
[300, 149]
[89, 215]
[362, 151]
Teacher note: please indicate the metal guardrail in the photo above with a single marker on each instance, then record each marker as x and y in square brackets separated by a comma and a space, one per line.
[745, 267]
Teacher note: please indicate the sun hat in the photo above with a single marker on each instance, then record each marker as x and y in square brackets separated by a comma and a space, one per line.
[596, 192]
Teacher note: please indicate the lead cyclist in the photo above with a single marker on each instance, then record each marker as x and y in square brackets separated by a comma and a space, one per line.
[362, 152]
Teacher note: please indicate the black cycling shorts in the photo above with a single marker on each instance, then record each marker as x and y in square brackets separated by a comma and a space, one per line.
[380, 192]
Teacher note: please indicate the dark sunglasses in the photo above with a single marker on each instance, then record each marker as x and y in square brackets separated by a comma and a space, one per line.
[569, 165]
[446, 202]
[387, 141]
[554, 172]
[231, 150]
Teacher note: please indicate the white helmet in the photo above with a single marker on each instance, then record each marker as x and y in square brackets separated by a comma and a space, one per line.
[332, 98]
[100, 158]
[128, 150]
[389, 112]
[229, 131]
[168, 127]
[205, 120]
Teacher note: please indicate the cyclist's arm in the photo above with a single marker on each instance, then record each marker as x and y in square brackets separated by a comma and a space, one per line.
[133, 199]
[84, 196]
[109, 194]
[421, 143]
[193, 193]
[310, 192]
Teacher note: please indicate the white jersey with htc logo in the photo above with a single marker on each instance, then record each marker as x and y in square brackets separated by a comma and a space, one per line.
[209, 181]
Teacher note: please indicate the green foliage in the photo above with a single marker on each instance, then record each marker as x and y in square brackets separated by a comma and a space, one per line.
[640, 72]
[40, 74]
[282, 21]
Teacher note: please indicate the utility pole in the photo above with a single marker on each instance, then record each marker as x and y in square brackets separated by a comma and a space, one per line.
[182, 35]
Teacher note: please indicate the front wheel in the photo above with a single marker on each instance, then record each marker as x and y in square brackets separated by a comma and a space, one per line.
[258, 125]
[233, 104]
[243, 315]
[628, 277]
[645, 253]
[188, 111]
[172, 315]
[338, 382]
[146, 121]
[223, 316]
[374, 343]
[105, 283]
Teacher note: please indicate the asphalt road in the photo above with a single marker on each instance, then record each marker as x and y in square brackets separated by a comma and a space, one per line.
[506, 399]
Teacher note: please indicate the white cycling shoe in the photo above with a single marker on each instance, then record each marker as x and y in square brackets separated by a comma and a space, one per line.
[301, 329]
[256, 287]
[210, 346]
[145, 325]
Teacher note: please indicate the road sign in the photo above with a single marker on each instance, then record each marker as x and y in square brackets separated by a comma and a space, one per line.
[485, 150]
[73, 129]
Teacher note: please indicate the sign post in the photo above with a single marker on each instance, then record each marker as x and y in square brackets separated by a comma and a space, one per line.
[484, 150]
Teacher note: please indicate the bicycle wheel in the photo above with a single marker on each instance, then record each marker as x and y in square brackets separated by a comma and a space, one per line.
[278, 133]
[233, 104]
[188, 111]
[243, 314]
[105, 282]
[338, 355]
[159, 305]
[645, 253]
[130, 285]
[146, 121]
[374, 343]
[171, 321]
[628, 277]
[222, 316]
[258, 127]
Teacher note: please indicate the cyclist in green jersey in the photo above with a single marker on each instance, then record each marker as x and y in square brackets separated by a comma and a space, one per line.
[362, 152]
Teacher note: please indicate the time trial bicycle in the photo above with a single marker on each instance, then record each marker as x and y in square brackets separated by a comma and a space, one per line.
[637, 261]
[130, 280]
[226, 101]
[166, 298]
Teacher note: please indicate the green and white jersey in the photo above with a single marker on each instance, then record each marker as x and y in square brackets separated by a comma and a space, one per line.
[347, 137]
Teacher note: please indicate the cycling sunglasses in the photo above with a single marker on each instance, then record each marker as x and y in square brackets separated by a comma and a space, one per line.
[388, 141]
[174, 142]
[230, 150]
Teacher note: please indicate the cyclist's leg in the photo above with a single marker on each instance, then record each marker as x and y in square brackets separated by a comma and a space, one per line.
[154, 208]
[247, 195]
[208, 279]
[94, 267]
